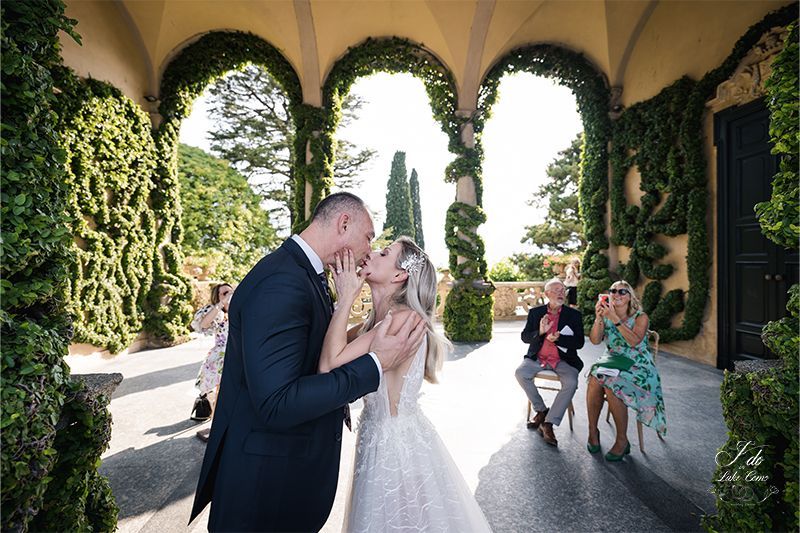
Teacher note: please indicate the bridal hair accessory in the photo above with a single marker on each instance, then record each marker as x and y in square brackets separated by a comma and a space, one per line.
[412, 263]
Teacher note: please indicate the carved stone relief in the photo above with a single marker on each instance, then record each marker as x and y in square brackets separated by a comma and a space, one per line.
[747, 82]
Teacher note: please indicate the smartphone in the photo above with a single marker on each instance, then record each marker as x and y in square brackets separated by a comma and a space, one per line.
[603, 298]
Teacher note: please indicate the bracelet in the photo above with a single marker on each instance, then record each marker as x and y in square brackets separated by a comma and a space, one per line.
[618, 324]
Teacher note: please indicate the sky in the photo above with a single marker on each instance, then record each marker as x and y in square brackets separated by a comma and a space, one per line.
[533, 119]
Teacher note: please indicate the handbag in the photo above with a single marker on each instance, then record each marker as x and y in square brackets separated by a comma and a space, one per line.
[201, 411]
[617, 362]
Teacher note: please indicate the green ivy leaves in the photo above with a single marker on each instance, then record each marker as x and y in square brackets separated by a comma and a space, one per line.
[780, 216]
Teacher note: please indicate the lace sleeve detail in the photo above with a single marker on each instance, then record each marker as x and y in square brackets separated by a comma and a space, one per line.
[198, 318]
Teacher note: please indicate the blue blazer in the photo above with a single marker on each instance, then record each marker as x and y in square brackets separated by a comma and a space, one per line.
[572, 343]
[272, 459]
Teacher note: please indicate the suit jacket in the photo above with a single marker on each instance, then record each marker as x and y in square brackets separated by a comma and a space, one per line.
[568, 317]
[272, 459]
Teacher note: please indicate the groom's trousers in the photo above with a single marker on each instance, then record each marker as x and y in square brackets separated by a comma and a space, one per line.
[568, 375]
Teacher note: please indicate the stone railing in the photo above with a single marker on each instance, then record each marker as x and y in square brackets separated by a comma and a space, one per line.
[513, 299]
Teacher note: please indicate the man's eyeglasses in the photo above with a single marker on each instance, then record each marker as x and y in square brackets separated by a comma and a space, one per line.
[621, 292]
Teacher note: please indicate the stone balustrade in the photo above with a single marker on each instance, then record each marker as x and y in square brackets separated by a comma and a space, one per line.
[512, 299]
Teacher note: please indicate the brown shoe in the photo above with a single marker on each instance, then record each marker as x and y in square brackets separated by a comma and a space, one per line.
[537, 419]
[546, 429]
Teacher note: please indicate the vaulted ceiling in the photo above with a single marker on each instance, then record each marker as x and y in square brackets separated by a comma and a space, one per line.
[641, 44]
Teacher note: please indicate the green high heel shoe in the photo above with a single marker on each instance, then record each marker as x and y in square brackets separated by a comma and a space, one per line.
[594, 448]
[613, 457]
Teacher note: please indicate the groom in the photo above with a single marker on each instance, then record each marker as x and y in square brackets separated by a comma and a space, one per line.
[272, 459]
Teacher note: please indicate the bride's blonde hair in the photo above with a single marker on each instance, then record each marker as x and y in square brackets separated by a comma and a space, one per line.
[418, 293]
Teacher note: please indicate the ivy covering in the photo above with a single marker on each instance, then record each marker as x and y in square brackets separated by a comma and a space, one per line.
[110, 160]
[36, 246]
[184, 80]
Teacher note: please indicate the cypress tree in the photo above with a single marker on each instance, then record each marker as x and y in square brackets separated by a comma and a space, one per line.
[416, 208]
[398, 200]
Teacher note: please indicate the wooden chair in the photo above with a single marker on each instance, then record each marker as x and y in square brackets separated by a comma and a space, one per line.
[652, 341]
[549, 377]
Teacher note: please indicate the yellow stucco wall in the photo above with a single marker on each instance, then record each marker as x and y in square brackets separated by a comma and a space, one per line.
[110, 51]
[578, 25]
[443, 28]
[687, 38]
[179, 22]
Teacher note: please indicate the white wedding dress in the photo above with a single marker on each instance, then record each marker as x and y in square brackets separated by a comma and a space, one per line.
[404, 478]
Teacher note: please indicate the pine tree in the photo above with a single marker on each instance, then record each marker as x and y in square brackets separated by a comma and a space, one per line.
[416, 208]
[251, 127]
[398, 199]
[562, 230]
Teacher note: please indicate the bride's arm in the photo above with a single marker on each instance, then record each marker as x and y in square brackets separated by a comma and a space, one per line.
[331, 359]
[348, 287]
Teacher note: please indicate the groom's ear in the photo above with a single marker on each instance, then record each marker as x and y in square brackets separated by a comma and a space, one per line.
[343, 223]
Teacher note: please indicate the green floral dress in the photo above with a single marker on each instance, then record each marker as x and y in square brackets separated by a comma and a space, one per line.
[640, 387]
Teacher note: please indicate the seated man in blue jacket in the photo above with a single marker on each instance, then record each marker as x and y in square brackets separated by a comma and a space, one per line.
[555, 334]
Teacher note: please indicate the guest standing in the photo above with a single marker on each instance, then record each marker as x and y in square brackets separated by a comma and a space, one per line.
[212, 319]
[571, 279]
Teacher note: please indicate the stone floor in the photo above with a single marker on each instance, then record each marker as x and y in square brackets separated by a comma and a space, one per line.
[521, 483]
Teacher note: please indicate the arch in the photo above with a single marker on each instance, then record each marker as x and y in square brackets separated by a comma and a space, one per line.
[469, 306]
[592, 93]
[388, 54]
[185, 77]
[208, 57]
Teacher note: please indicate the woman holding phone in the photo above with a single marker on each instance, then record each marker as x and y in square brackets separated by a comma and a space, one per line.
[630, 378]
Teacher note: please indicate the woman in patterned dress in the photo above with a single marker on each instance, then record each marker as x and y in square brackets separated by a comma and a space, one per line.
[213, 320]
[621, 319]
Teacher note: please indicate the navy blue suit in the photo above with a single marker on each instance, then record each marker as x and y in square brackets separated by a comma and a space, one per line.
[272, 459]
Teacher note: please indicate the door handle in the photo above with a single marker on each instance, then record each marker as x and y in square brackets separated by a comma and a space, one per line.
[778, 277]
[767, 277]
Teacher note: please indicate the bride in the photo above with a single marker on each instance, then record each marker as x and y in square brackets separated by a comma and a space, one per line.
[404, 478]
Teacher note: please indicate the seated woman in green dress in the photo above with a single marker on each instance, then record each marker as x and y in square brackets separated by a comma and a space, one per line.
[619, 317]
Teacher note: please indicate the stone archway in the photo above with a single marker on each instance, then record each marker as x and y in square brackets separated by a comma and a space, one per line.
[470, 302]
[593, 95]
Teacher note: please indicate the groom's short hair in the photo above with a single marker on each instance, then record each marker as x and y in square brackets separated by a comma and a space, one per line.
[335, 203]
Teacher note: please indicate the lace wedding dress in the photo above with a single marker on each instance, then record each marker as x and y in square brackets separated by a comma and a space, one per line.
[404, 478]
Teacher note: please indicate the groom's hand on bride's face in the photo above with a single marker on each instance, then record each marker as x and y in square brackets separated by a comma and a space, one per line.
[394, 344]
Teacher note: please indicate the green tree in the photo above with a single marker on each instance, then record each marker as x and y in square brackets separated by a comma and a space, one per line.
[534, 267]
[398, 199]
[251, 127]
[505, 270]
[416, 208]
[562, 230]
[223, 221]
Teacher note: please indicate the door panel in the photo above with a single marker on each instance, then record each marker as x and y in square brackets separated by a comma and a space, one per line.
[754, 273]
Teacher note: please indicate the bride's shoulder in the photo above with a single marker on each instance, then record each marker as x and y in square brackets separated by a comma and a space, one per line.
[399, 316]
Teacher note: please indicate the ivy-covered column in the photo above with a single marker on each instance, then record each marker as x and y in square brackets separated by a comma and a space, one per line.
[312, 163]
[468, 309]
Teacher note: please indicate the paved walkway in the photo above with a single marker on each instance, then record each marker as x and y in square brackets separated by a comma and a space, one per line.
[521, 483]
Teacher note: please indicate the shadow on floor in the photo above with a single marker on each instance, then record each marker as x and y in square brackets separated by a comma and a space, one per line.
[153, 380]
[531, 486]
